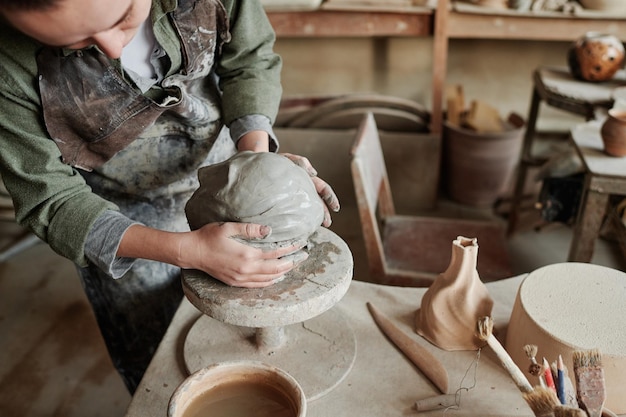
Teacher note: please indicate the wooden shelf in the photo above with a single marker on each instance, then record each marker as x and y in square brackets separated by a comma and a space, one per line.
[444, 23]
[351, 24]
[525, 26]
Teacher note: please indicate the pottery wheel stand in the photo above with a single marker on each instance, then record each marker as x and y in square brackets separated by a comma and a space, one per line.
[290, 324]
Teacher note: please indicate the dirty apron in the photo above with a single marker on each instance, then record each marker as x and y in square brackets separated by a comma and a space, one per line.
[143, 155]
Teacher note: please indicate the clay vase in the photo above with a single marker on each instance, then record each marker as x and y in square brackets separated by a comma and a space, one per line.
[613, 133]
[455, 301]
[595, 57]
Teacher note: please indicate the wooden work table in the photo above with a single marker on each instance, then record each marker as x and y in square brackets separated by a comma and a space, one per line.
[382, 382]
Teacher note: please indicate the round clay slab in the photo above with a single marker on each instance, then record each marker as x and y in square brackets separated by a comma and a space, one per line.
[313, 287]
[318, 353]
[573, 306]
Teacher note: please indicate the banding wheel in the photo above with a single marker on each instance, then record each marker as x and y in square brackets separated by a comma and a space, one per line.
[291, 324]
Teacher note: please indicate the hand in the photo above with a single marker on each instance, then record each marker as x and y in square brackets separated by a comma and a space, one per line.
[326, 193]
[218, 250]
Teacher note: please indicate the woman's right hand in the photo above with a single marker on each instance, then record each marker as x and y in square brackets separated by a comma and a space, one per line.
[218, 250]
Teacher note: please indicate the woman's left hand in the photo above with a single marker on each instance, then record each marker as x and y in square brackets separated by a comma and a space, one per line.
[324, 190]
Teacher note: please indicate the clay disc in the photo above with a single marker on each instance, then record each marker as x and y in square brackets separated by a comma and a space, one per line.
[313, 287]
[318, 353]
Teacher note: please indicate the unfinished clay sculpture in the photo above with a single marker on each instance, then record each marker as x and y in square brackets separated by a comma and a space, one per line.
[258, 187]
[455, 301]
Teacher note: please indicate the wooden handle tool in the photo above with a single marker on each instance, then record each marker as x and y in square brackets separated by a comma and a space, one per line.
[425, 361]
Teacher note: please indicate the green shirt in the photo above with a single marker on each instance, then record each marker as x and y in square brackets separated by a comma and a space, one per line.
[51, 198]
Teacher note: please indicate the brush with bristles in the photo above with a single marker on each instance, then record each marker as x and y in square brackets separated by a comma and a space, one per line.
[589, 376]
[542, 401]
[485, 333]
[567, 411]
[534, 368]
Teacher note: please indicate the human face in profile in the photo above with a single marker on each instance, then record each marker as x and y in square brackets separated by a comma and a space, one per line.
[110, 25]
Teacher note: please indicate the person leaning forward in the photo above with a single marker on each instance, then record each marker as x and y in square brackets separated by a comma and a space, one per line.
[108, 111]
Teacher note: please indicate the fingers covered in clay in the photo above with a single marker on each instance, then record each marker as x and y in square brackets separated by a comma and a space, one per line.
[325, 191]
[218, 250]
[302, 162]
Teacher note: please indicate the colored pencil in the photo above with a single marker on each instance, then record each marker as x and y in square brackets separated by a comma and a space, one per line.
[547, 374]
[560, 382]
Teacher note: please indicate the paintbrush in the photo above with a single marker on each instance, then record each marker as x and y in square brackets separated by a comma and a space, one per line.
[566, 411]
[485, 333]
[534, 368]
[589, 376]
[542, 401]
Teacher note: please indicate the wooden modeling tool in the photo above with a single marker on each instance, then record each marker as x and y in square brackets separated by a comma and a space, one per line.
[425, 361]
[485, 332]
[589, 377]
[542, 401]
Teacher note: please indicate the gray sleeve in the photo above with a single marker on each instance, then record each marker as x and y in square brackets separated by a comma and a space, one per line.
[103, 241]
[252, 122]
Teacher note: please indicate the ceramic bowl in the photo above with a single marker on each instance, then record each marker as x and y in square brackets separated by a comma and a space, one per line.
[236, 388]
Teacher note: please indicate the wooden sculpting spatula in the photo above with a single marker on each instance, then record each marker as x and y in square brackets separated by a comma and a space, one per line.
[425, 361]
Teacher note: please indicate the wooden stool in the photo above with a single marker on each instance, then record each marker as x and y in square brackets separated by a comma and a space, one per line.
[557, 88]
[604, 176]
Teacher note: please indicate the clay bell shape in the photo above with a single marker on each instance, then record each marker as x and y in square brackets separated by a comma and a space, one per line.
[258, 187]
[455, 301]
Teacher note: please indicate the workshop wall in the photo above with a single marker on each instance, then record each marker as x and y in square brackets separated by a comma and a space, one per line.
[498, 72]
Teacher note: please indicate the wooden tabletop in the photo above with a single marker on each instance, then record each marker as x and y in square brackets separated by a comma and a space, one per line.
[382, 381]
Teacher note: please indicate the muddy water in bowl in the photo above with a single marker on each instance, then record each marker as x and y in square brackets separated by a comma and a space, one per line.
[238, 389]
[241, 399]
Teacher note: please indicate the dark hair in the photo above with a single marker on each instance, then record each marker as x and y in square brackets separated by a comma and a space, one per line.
[28, 5]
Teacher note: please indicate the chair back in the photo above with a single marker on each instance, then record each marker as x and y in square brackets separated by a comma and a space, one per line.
[372, 190]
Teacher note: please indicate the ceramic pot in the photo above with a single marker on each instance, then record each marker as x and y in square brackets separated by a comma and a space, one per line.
[238, 388]
[478, 166]
[455, 301]
[595, 57]
[613, 133]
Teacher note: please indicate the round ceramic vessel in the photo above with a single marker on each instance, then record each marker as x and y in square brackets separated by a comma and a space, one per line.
[613, 133]
[595, 57]
[565, 307]
[188, 399]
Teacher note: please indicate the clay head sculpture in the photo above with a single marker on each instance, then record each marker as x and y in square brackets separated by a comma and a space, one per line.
[263, 188]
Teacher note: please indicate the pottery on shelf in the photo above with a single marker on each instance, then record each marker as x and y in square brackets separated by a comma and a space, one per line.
[455, 301]
[595, 57]
[613, 133]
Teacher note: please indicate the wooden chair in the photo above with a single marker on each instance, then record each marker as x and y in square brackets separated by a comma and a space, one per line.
[412, 250]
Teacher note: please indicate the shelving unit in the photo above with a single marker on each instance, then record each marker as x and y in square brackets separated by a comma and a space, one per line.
[450, 20]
